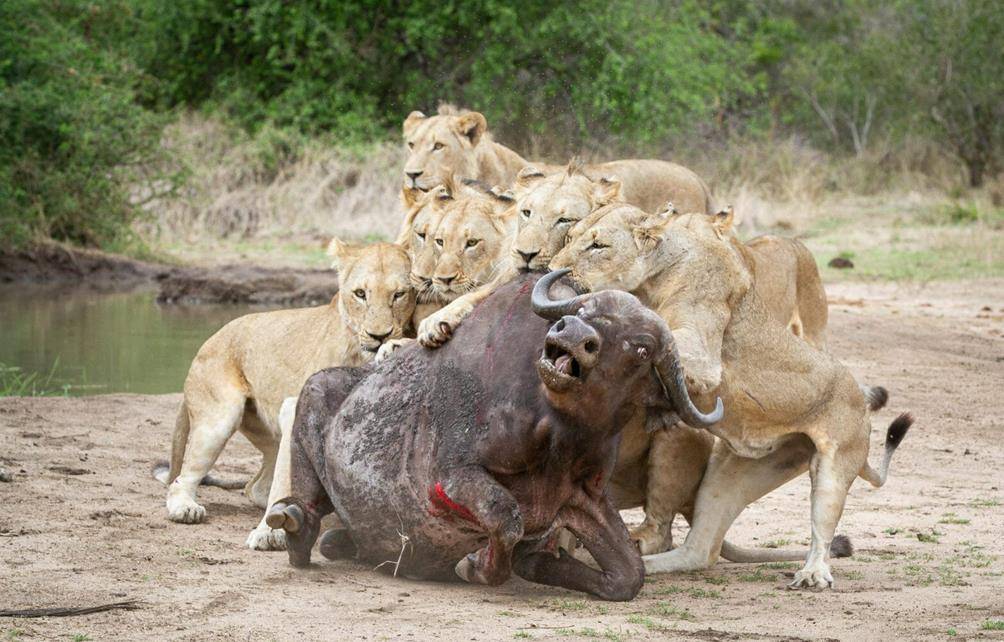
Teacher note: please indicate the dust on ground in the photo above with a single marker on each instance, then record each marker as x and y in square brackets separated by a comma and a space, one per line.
[83, 523]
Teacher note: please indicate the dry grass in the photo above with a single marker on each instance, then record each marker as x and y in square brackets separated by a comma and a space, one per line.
[272, 186]
[271, 198]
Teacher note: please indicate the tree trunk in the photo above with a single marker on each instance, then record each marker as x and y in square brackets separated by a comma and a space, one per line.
[977, 168]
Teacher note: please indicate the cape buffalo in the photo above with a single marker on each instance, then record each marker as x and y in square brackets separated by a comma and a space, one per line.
[481, 450]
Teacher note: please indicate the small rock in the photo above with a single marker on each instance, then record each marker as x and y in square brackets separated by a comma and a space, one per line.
[840, 263]
[5, 476]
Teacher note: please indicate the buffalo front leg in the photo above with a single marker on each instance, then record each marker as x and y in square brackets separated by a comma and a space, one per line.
[601, 531]
[300, 514]
[473, 495]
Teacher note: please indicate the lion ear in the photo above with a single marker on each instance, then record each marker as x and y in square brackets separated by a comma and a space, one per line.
[412, 121]
[528, 175]
[723, 221]
[472, 125]
[339, 251]
[606, 191]
[440, 197]
[503, 196]
[668, 210]
[648, 232]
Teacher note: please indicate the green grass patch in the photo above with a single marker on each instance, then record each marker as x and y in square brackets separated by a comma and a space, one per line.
[521, 635]
[985, 503]
[15, 382]
[589, 632]
[992, 625]
[648, 623]
[665, 609]
[759, 574]
[929, 538]
[777, 543]
[952, 518]
[566, 605]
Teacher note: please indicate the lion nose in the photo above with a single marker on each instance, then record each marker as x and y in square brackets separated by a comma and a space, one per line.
[446, 280]
[379, 338]
[527, 256]
[413, 175]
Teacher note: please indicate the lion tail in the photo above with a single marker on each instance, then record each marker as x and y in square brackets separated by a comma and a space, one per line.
[841, 546]
[893, 438]
[165, 472]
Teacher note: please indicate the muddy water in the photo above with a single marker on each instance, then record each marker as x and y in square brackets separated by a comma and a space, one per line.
[102, 342]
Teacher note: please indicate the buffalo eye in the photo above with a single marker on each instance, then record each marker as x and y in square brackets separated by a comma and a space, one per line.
[437, 146]
[525, 213]
[360, 294]
[473, 242]
[642, 353]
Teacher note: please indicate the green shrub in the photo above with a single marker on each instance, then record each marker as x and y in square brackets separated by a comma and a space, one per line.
[74, 140]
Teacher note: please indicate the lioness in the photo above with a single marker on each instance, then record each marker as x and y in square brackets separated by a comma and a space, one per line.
[457, 143]
[790, 406]
[242, 373]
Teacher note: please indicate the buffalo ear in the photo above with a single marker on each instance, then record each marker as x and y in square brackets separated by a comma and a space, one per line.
[606, 191]
[723, 221]
[412, 121]
[472, 126]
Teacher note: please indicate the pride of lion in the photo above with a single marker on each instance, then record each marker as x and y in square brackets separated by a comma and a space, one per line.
[748, 320]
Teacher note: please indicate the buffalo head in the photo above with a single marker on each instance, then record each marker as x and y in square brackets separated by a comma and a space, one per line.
[606, 347]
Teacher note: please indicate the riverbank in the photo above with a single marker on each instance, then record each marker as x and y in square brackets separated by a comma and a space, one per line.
[84, 523]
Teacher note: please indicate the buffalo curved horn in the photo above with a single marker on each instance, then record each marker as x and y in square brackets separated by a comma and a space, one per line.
[544, 306]
[670, 375]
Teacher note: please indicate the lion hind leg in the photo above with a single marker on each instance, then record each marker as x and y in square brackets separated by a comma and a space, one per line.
[211, 427]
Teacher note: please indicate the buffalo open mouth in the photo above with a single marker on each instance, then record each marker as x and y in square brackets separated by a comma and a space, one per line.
[558, 367]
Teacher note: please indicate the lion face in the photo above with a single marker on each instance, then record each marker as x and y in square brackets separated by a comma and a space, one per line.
[612, 248]
[375, 296]
[441, 146]
[548, 207]
[474, 229]
[416, 236]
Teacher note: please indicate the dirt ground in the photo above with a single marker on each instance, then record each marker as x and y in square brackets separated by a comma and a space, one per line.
[83, 523]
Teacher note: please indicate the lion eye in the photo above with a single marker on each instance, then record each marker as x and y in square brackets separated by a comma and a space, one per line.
[473, 242]
[420, 235]
[360, 294]
[596, 245]
[411, 145]
[399, 294]
[437, 147]
[562, 221]
[439, 242]
[525, 213]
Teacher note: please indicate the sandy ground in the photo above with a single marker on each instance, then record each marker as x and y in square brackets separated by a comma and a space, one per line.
[83, 523]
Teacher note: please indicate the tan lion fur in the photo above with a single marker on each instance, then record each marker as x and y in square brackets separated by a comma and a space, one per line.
[457, 143]
[242, 373]
[804, 411]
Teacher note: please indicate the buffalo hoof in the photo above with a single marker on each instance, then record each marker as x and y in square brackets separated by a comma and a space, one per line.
[288, 517]
[335, 544]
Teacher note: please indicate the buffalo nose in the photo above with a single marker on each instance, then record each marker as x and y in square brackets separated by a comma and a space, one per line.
[446, 280]
[527, 256]
[378, 337]
[577, 335]
[413, 175]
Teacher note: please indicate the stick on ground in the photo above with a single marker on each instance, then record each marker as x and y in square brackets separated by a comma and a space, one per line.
[70, 610]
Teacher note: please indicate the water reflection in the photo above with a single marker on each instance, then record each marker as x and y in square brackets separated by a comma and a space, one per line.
[105, 341]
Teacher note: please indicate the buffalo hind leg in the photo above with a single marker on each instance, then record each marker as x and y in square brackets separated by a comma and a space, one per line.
[471, 494]
[601, 531]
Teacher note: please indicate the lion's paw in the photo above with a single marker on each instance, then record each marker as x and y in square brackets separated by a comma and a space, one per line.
[813, 576]
[264, 538]
[437, 328]
[390, 347]
[649, 538]
[185, 510]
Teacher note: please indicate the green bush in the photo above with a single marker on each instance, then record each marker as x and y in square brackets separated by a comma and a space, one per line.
[74, 140]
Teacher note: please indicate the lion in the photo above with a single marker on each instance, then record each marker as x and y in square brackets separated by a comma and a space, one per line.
[241, 374]
[790, 406]
[457, 143]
